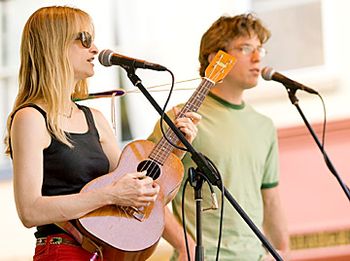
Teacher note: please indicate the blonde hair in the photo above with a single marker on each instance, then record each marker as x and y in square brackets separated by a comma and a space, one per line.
[226, 29]
[45, 73]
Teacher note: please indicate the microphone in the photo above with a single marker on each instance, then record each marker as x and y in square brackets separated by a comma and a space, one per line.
[108, 58]
[270, 74]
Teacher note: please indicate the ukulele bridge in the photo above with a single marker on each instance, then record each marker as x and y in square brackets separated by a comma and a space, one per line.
[138, 213]
[133, 212]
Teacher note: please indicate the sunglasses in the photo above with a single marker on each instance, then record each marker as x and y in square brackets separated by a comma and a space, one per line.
[85, 39]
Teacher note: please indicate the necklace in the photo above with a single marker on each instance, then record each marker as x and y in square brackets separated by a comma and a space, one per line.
[69, 115]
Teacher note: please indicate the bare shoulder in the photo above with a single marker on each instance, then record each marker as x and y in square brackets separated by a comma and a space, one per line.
[27, 117]
[29, 122]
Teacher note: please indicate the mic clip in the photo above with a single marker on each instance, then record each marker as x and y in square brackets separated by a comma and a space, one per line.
[196, 180]
[214, 203]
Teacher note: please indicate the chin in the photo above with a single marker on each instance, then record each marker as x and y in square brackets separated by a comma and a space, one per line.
[90, 74]
[251, 85]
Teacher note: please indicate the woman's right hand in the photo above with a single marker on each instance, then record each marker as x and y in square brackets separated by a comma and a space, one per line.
[133, 189]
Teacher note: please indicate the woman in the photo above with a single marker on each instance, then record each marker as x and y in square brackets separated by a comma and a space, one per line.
[56, 145]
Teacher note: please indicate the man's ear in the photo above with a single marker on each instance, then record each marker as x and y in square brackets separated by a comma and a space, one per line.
[211, 57]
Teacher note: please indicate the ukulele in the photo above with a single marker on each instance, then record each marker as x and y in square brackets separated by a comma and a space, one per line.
[129, 233]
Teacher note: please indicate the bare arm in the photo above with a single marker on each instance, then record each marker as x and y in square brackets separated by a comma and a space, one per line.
[29, 137]
[173, 233]
[275, 223]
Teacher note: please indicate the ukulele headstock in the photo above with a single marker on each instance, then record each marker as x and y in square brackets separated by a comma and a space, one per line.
[220, 66]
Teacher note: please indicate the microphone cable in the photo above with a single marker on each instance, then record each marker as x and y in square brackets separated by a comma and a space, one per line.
[161, 123]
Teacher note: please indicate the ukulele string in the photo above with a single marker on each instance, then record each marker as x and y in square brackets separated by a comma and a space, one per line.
[151, 168]
[196, 101]
[156, 88]
[125, 210]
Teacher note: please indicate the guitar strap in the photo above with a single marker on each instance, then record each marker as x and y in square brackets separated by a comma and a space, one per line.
[85, 242]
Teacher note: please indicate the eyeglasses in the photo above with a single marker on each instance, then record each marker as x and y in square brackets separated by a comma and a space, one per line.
[85, 39]
[249, 49]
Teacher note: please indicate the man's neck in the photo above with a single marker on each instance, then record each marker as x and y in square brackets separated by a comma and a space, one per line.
[228, 93]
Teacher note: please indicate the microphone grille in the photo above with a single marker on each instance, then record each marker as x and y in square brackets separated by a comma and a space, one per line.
[267, 73]
[105, 57]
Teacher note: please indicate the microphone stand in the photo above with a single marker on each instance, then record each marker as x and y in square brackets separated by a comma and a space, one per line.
[294, 100]
[196, 182]
[205, 168]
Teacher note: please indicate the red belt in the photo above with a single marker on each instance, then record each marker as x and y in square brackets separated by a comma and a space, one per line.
[56, 241]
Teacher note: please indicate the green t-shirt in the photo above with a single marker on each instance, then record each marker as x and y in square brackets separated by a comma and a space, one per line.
[242, 144]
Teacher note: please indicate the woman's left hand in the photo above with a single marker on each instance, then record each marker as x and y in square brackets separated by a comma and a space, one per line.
[187, 124]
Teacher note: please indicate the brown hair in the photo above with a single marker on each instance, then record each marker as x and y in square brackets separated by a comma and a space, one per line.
[224, 30]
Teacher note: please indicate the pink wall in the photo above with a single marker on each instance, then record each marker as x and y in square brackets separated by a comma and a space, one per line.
[317, 208]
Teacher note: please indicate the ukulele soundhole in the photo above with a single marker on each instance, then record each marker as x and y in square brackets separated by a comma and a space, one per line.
[152, 168]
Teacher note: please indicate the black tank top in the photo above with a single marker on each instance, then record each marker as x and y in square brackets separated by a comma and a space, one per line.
[67, 170]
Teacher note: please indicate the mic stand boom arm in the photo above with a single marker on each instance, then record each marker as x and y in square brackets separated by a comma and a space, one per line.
[294, 100]
[202, 163]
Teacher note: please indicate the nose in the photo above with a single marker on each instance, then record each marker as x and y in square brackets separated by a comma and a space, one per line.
[256, 57]
[94, 49]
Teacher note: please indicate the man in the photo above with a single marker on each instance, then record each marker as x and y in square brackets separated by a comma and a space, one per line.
[242, 144]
